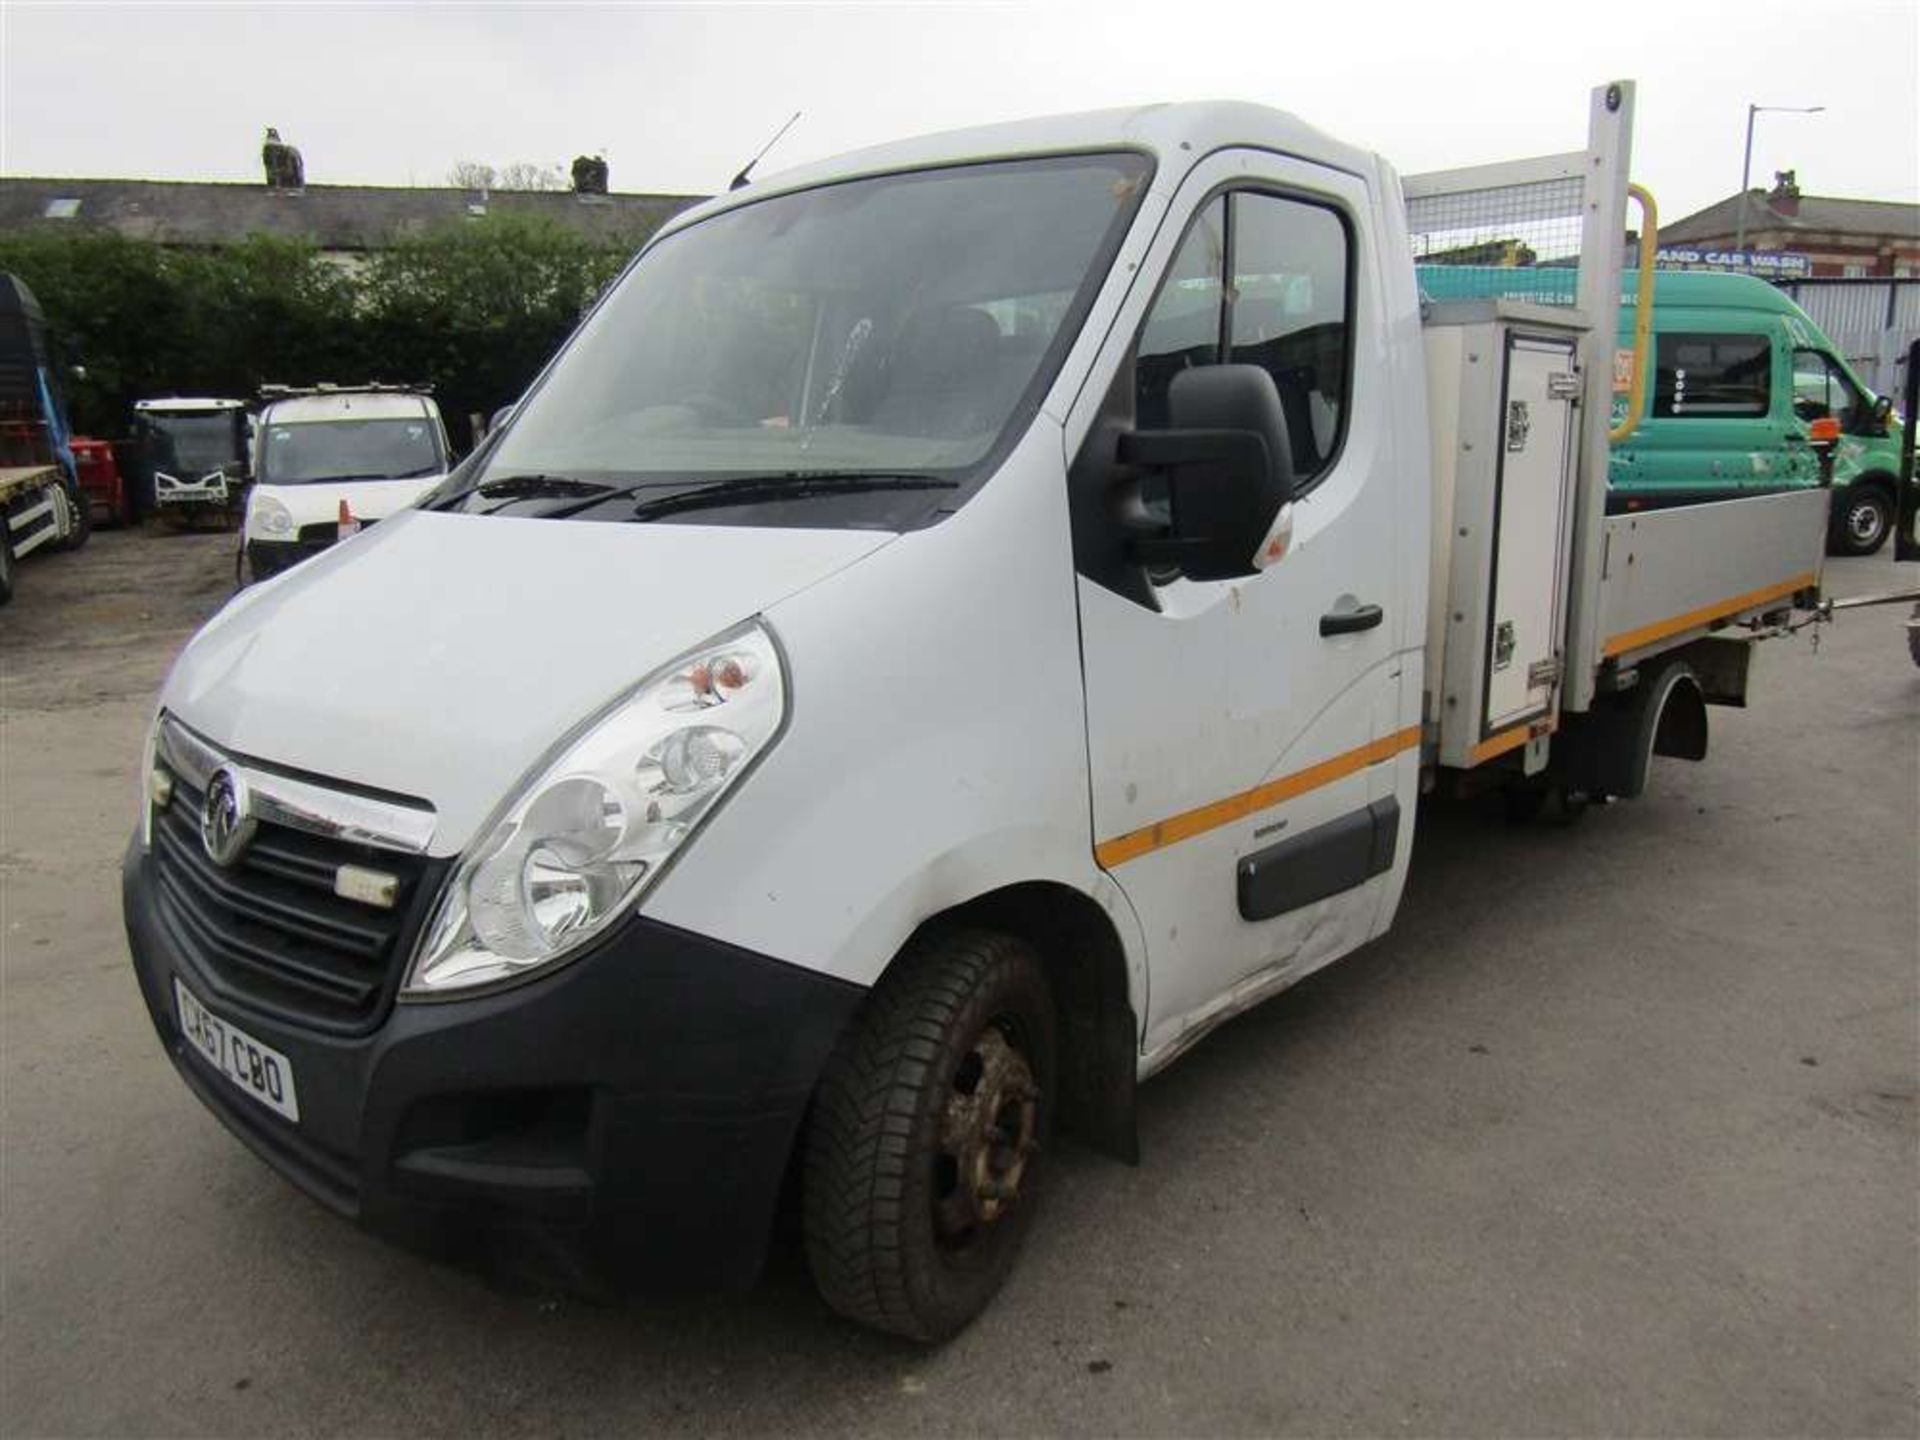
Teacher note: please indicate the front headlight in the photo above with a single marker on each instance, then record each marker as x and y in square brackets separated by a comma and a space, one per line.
[156, 783]
[597, 824]
[268, 518]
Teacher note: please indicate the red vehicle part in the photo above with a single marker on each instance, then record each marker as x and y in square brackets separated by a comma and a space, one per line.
[100, 480]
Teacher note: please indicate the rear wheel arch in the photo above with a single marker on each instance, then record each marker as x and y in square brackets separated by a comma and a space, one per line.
[1609, 750]
[1680, 729]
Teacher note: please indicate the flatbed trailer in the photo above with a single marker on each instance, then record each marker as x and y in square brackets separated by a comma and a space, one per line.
[1566, 646]
[36, 511]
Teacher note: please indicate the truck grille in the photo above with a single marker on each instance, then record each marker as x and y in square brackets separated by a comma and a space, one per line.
[271, 933]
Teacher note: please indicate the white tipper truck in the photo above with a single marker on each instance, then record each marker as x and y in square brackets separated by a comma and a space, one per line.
[955, 624]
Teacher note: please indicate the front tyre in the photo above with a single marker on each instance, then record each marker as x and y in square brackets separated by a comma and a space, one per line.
[1864, 518]
[926, 1134]
[79, 517]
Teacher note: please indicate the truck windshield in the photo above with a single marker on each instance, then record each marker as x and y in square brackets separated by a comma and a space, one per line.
[886, 329]
[322, 450]
[199, 443]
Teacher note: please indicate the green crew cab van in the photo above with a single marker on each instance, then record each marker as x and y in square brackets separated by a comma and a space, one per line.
[1735, 376]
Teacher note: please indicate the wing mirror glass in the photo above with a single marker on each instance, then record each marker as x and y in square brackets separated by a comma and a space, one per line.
[1228, 467]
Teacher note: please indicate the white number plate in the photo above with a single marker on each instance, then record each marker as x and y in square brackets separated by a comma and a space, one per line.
[260, 1070]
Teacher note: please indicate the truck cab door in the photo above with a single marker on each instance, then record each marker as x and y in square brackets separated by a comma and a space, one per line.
[1237, 729]
[1807, 393]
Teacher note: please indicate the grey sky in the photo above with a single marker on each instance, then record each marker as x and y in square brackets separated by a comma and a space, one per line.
[678, 96]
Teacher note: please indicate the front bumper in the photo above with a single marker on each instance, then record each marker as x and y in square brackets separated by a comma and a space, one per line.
[209, 490]
[267, 558]
[628, 1118]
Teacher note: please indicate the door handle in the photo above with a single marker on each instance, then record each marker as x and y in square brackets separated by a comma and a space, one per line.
[1350, 622]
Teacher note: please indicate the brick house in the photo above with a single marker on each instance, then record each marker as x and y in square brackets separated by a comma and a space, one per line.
[1853, 239]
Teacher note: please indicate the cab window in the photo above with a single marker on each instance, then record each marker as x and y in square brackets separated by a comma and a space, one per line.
[1288, 314]
[1262, 280]
[1712, 377]
[1183, 328]
[1821, 389]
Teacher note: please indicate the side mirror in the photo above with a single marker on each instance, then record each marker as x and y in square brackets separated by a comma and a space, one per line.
[1228, 464]
[1883, 414]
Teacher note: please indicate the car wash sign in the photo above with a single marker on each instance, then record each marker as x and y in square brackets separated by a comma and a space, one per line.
[1773, 264]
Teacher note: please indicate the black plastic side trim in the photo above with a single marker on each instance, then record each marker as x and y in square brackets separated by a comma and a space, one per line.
[1386, 834]
[1325, 861]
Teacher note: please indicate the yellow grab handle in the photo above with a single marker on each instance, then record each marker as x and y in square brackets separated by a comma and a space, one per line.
[1643, 313]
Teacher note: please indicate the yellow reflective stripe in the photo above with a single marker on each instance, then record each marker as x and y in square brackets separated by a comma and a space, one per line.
[1189, 823]
[1705, 615]
[1508, 740]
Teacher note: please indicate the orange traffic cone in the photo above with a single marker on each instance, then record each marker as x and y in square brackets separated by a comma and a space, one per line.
[348, 525]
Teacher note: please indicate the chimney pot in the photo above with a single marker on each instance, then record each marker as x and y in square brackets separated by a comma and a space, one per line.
[1785, 195]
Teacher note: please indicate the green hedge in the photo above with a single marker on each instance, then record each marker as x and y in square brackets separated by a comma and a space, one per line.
[473, 310]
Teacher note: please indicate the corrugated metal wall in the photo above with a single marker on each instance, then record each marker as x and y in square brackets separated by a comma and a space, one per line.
[1872, 321]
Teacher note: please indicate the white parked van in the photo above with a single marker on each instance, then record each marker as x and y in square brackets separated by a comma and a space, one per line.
[371, 451]
[955, 624]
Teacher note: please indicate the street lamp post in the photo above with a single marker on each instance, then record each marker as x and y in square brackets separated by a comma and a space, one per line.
[1746, 166]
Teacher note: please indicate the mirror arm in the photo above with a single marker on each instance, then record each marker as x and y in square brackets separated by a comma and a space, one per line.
[1162, 549]
[1172, 449]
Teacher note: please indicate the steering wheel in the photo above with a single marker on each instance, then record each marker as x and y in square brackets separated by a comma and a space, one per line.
[714, 409]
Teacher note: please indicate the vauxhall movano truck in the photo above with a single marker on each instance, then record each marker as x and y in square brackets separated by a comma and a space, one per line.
[954, 624]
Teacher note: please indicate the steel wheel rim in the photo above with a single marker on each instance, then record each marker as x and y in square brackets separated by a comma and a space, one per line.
[1864, 521]
[989, 1133]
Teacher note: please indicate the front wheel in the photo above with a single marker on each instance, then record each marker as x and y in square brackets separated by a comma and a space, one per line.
[79, 518]
[926, 1134]
[1864, 520]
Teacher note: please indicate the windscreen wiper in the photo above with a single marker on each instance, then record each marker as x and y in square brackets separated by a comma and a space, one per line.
[791, 484]
[511, 488]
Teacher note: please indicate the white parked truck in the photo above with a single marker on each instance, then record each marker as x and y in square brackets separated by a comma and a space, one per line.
[955, 624]
[197, 450]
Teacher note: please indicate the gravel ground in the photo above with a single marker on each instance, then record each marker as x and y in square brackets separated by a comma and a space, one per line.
[1615, 1134]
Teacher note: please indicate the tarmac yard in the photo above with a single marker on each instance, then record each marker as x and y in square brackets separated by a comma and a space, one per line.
[1615, 1133]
